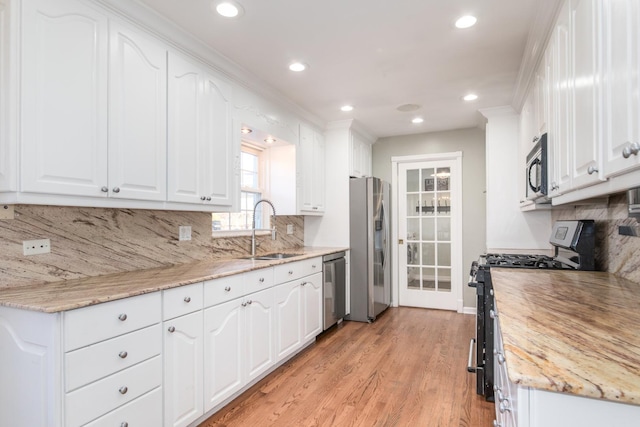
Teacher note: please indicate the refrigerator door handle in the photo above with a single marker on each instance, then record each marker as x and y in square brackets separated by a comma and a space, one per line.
[385, 236]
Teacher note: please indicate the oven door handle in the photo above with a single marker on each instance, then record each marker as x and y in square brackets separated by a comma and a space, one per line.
[471, 368]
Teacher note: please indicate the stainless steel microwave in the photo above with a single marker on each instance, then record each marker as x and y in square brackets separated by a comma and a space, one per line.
[537, 170]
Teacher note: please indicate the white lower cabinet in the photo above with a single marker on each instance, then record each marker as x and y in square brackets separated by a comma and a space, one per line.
[183, 369]
[299, 313]
[239, 344]
[165, 358]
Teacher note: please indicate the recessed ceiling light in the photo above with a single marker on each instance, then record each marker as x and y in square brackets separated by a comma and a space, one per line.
[270, 140]
[470, 97]
[245, 130]
[346, 108]
[417, 120]
[466, 21]
[228, 9]
[298, 66]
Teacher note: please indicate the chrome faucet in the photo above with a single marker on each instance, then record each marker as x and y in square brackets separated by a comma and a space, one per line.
[253, 225]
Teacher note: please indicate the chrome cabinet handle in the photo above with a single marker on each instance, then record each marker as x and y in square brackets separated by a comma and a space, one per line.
[261, 280]
[591, 170]
[116, 189]
[631, 149]
[249, 302]
[303, 283]
[123, 354]
[124, 424]
[187, 299]
[203, 198]
[208, 199]
[244, 304]
[123, 389]
[315, 208]
[122, 317]
[171, 329]
[104, 189]
[227, 288]
[290, 271]
[313, 266]
[493, 314]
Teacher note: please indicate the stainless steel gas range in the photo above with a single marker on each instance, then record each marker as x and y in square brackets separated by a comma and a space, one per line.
[574, 246]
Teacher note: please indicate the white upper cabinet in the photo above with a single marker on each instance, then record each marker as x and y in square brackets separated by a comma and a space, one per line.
[360, 161]
[7, 144]
[561, 129]
[311, 174]
[585, 51]
[137, 116]
[64, 98]
[621, 100]
[202, 155]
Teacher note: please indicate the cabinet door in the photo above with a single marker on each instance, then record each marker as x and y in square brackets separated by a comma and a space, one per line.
[305, 169]
[219, 140]
[7, 144]
[183, 369]
[64, 98]
[318, 173]
[621, 45]
[137, 116]
[311, 307]
[288, 319]
[223, 352]
[561, 88]
[585, 147]
[186, 148]
[260, 330]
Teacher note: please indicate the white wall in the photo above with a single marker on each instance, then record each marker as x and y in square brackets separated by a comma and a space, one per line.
[508, 227]
[471, 143]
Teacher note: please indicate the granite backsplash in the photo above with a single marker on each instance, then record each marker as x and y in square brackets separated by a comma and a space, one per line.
[615, 253]
[89, 242]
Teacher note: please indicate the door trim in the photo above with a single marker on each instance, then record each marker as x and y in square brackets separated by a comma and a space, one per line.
[456, 226]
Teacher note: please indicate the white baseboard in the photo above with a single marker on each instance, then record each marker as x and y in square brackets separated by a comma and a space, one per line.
[469, 310]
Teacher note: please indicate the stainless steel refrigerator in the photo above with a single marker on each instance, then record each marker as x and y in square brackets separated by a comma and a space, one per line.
[370, 256]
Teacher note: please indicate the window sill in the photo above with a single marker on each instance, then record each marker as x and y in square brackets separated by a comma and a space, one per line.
[237, 233]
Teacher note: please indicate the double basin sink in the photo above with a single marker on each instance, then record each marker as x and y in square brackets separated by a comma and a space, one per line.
[271, 257]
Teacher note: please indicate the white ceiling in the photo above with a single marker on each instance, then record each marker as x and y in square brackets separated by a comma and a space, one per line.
[373, 54]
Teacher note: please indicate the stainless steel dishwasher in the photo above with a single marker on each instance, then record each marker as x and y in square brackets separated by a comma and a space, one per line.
[333, 290]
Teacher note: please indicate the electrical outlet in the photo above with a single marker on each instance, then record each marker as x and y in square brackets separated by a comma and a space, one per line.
[289, 228]
[6, 212]
[184, 232]
[35, 247]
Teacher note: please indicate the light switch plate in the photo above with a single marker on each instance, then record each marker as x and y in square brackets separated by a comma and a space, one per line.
[289, 228]
[35, 247]
[184, 233]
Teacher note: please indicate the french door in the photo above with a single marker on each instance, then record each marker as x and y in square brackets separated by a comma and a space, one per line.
[429, 233]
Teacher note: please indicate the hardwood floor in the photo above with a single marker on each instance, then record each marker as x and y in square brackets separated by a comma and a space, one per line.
[408, 368]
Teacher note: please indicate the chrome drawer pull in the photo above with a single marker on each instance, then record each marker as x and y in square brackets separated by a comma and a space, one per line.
[187, 299]
[261, 280]
[123, 354]
[171, 329]
[124, 424]
[227, 288]
[123, 389]
[290, 271]
[122, 317]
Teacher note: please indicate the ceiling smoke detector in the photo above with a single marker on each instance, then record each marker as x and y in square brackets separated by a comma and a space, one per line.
[408, 107]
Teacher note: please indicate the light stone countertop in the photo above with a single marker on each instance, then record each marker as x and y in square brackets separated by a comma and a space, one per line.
[77, 293]
[570, 331]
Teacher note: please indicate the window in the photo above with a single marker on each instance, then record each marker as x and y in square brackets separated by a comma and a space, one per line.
[251, 192]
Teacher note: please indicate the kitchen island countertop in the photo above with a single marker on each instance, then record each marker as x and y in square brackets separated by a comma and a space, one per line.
[575, 332]
[76, 293]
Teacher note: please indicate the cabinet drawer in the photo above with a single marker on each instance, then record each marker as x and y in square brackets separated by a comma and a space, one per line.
[181, 300]
[99, 322]
[98, 398]
[258, 280]
[140, 412]
[295, 270]
[96, 361]
[217, 291]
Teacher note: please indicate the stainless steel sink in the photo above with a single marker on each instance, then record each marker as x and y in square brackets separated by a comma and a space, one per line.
[276, 256]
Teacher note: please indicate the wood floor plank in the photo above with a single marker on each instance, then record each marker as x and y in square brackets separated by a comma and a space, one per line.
[408, 368]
